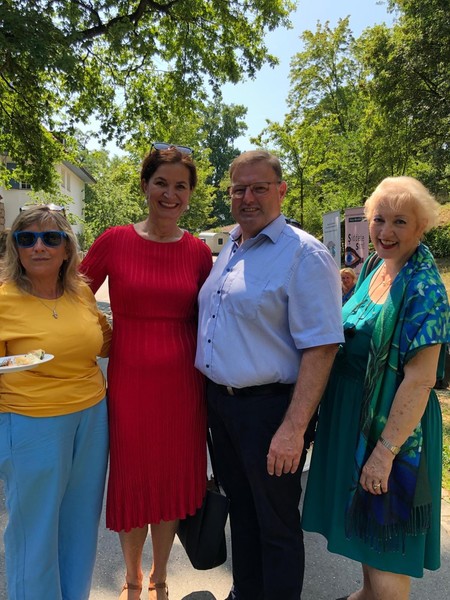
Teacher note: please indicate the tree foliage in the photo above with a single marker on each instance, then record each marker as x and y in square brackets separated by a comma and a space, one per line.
[220, 126]
[64, 62]
[117, 199]
[410, 67]
[363, 109]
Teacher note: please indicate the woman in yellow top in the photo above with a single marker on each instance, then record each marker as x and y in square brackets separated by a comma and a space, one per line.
[53, 417]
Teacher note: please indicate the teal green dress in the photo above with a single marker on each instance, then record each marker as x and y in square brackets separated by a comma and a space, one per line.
[332, 463]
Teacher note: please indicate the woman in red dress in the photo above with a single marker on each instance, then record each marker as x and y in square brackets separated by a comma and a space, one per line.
[156, 397]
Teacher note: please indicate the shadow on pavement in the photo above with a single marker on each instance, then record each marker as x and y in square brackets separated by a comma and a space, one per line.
[199, 596]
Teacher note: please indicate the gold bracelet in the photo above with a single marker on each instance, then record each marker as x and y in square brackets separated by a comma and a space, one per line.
[394, 449]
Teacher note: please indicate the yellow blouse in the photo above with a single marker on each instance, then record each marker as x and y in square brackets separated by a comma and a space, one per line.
[72, 381]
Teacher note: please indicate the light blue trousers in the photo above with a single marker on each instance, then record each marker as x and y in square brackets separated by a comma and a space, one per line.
[54, 472]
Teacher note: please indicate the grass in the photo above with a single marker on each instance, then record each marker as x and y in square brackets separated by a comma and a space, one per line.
[444, 395]
[444, 269]
[444, 398]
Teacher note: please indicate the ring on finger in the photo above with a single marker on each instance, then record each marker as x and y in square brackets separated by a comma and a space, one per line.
[375, 486]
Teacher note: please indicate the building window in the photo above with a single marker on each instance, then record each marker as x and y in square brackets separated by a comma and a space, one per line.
[17, 185]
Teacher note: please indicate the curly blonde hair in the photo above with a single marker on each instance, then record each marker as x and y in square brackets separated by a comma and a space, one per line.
[396, 192]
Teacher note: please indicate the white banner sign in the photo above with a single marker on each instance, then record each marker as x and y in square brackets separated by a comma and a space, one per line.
[332, 234]
[356, 238]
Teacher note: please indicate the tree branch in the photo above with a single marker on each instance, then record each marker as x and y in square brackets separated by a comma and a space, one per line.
[133, 17]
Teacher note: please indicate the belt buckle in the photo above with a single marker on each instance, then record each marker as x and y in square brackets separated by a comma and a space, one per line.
[230, 390]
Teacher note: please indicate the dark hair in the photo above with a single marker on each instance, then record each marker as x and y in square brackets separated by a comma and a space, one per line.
[255, 156]
[156, 158]
[70, 278]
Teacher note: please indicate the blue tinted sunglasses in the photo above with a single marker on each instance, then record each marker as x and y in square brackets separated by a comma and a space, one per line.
[27, 239]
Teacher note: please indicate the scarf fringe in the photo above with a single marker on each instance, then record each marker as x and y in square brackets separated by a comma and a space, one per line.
[390, 537]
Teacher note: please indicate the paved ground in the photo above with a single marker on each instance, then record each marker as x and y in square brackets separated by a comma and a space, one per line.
[327, 576]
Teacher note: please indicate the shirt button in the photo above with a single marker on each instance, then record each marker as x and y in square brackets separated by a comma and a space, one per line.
[209, 341]
[218, 291]
[207, 366]
[214, 316]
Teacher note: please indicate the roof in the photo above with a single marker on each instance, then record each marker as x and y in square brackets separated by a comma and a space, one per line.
[225, 229]
[82, 173]
[212, 233]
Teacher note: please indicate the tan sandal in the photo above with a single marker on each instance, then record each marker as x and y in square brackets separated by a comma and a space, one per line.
[159, 586]
[130, 586]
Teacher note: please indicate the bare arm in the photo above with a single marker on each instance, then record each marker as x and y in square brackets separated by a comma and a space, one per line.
[287, 444]
[407, 409]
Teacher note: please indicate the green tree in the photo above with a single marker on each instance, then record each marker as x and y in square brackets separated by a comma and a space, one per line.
[220, 126]
[359, 110]
[64, 62]
[410, 66]
[325, 143]
[115, 198]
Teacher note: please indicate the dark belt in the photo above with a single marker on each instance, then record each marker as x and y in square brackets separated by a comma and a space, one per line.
[255, 390]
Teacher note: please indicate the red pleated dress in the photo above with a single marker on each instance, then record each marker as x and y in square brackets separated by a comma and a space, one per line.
[157, 409]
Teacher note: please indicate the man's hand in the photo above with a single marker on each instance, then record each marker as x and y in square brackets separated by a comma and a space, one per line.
[285, 450]
[287, 444]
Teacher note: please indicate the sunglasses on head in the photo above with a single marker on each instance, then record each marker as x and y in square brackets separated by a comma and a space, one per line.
[51, 206]
[165, 146]
[27, 239]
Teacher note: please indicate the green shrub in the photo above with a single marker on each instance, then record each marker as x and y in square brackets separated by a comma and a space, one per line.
[438, 240]
[446, 441]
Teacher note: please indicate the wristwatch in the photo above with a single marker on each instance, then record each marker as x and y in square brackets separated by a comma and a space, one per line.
[394, 449]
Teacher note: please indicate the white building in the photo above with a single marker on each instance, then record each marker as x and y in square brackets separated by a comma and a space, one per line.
[216, 240]
[73, 180]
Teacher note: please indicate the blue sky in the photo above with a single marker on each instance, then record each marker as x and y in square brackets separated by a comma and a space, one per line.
[265, 96]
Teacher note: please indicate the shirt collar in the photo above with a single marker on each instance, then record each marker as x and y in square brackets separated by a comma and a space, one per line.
[272, 230]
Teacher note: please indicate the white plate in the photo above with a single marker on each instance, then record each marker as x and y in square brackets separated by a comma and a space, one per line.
[14, 368]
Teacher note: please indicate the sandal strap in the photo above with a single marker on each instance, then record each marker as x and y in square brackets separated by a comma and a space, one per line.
[158, 586]
[132, 586]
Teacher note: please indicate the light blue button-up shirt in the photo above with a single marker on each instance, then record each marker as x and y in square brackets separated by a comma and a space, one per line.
[264, 302]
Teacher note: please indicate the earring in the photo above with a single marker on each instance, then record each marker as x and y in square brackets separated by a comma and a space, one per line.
[188, 206]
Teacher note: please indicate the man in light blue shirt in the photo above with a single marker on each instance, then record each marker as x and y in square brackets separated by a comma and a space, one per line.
[270, 324]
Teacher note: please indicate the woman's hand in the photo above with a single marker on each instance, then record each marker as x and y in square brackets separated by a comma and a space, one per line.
[407, 410]
[375, 473]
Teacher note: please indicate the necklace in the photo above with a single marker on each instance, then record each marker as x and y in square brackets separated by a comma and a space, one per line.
[367, 305]
[384, 275]
[52, 310]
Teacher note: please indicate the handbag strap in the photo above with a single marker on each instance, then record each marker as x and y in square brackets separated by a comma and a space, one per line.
[212, 458]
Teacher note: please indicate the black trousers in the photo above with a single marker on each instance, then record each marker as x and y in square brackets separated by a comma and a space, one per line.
[267, 540]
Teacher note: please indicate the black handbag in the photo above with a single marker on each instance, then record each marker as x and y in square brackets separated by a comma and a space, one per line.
[203, 534]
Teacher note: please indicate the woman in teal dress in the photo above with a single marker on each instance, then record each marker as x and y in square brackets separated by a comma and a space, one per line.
[374, 486]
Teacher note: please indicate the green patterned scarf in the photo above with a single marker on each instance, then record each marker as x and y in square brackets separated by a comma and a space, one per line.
[414, 315]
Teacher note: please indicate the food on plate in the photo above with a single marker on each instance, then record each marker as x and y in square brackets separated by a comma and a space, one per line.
[32, 357]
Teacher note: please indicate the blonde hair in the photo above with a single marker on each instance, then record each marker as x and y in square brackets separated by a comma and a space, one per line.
[70, 279]
[349, 271]
[396, 192]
